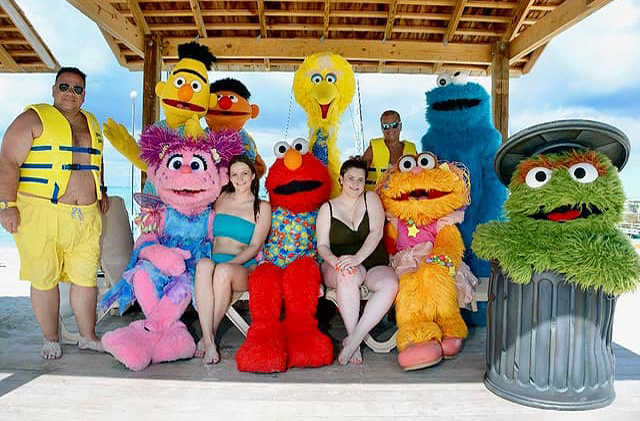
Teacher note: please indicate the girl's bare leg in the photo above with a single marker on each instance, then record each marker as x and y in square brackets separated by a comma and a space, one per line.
[204, 302]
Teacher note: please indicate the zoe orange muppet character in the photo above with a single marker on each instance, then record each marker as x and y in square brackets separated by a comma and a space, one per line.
[424, 200]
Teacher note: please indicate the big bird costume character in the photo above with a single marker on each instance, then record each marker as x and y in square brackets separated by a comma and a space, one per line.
[176, 232]
[424, 200]
[184, 99]
[298, 184]
[324, 86]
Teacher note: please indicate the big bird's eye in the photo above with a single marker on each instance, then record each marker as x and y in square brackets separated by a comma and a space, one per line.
[459, 78]
[280, 148]
[178, 82]
[174, 162]
[196, 86]
[538, 177]
[316, 78]
[583, 172]
[406, 163]
[443, 80]
[427, 161]
[331, 78]
[198, 163]
[300, 145]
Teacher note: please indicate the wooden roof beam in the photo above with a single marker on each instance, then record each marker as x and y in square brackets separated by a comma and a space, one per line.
[349, 48]
[16, 16]
[455, 20]
[7, 61]
[393, 9]
[109, 19]
[197, 17]
[564, 16]
[533, 57]
[517, 20]
[326, 18]
[115, 48]
[138, 17]
[263, 19]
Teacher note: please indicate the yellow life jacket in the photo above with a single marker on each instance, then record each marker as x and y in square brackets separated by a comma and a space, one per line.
[380, 161]
[47, 168]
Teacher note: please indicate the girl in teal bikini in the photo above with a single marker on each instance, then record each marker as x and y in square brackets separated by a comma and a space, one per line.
[240, 227]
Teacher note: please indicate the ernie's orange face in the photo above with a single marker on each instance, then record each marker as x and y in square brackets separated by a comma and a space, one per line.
[228, 110]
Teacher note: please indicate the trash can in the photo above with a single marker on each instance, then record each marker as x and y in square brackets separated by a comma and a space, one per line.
[549, 342]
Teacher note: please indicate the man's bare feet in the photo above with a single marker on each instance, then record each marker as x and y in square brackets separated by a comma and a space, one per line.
[350, 354]
[200, 349]
[211, 355]
[51, 350]
[90, 344]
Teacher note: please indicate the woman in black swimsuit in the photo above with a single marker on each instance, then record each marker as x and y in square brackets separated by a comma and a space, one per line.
[349, 229]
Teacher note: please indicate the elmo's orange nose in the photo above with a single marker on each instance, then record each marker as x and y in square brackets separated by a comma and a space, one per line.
[292, 159]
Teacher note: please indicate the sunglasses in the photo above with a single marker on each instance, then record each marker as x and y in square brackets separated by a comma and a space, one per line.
[64, 87]
[387, 126]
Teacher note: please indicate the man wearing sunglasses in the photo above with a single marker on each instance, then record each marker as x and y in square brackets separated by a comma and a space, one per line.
[51, 196]
[386, 151]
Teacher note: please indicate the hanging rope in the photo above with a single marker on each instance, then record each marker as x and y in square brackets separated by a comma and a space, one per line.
[360, 114]
[286, 128]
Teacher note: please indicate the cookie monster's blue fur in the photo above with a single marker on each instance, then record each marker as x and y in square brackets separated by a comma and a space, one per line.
[460, 129]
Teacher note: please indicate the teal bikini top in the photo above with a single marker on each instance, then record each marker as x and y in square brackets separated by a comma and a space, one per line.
[239, 229]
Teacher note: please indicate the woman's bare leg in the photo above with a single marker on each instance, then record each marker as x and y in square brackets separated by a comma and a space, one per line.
[204, 302]
[383, 283]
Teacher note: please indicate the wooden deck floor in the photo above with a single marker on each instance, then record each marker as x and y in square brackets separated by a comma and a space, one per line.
[88, 386]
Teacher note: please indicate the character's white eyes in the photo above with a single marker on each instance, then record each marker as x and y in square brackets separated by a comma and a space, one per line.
[233, 98]
[196, 86]
[538, 177]
[427, 161]
[316, 78]
[331, 78]
[459, 78]
[219, 96]
[300, 145]
[406, 163]
[583, 172]
[443, 80]
[174, 162]
[179, 81]
[198, 163]
[280, 148]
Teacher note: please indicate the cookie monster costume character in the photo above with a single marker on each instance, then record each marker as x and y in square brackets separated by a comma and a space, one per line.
[424, 199]
[460, 130]
[176, 233]
[324, 85]
[184, 99]
[298, 183]
[229, 108]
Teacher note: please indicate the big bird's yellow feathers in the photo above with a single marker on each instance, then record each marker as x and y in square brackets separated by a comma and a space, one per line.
[324, 86]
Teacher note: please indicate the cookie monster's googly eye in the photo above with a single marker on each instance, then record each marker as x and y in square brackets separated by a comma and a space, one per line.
[406, 163]
[331, 78]
[538, 177]
[178, 82]
[427, 161]
[196, 86]
[316, 78]
[583, 172]
[233, 98]
[198, 163]
[443, 80]
[300, 145]
[459, 78]
[280, 148]
[174, 162]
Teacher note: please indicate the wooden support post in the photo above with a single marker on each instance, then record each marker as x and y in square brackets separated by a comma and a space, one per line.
[500, 87]
[152, 68]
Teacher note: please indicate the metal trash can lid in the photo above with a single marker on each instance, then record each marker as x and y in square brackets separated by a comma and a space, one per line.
[557, 136]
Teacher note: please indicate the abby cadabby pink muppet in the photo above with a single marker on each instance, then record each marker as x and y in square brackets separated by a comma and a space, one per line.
[176, 231]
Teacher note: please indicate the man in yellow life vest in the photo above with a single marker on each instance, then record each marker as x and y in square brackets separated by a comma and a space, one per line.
[51, 196]
[386, 151]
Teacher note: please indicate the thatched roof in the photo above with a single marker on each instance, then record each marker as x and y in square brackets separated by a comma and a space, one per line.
[21, 48]
[394, 36]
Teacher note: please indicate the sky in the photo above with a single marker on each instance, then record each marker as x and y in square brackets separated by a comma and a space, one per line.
[589, 71]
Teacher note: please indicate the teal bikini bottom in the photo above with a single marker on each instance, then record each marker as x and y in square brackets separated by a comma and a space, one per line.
[223, 258]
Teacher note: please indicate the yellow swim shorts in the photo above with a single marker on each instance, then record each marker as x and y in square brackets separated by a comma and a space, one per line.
[58, 242]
